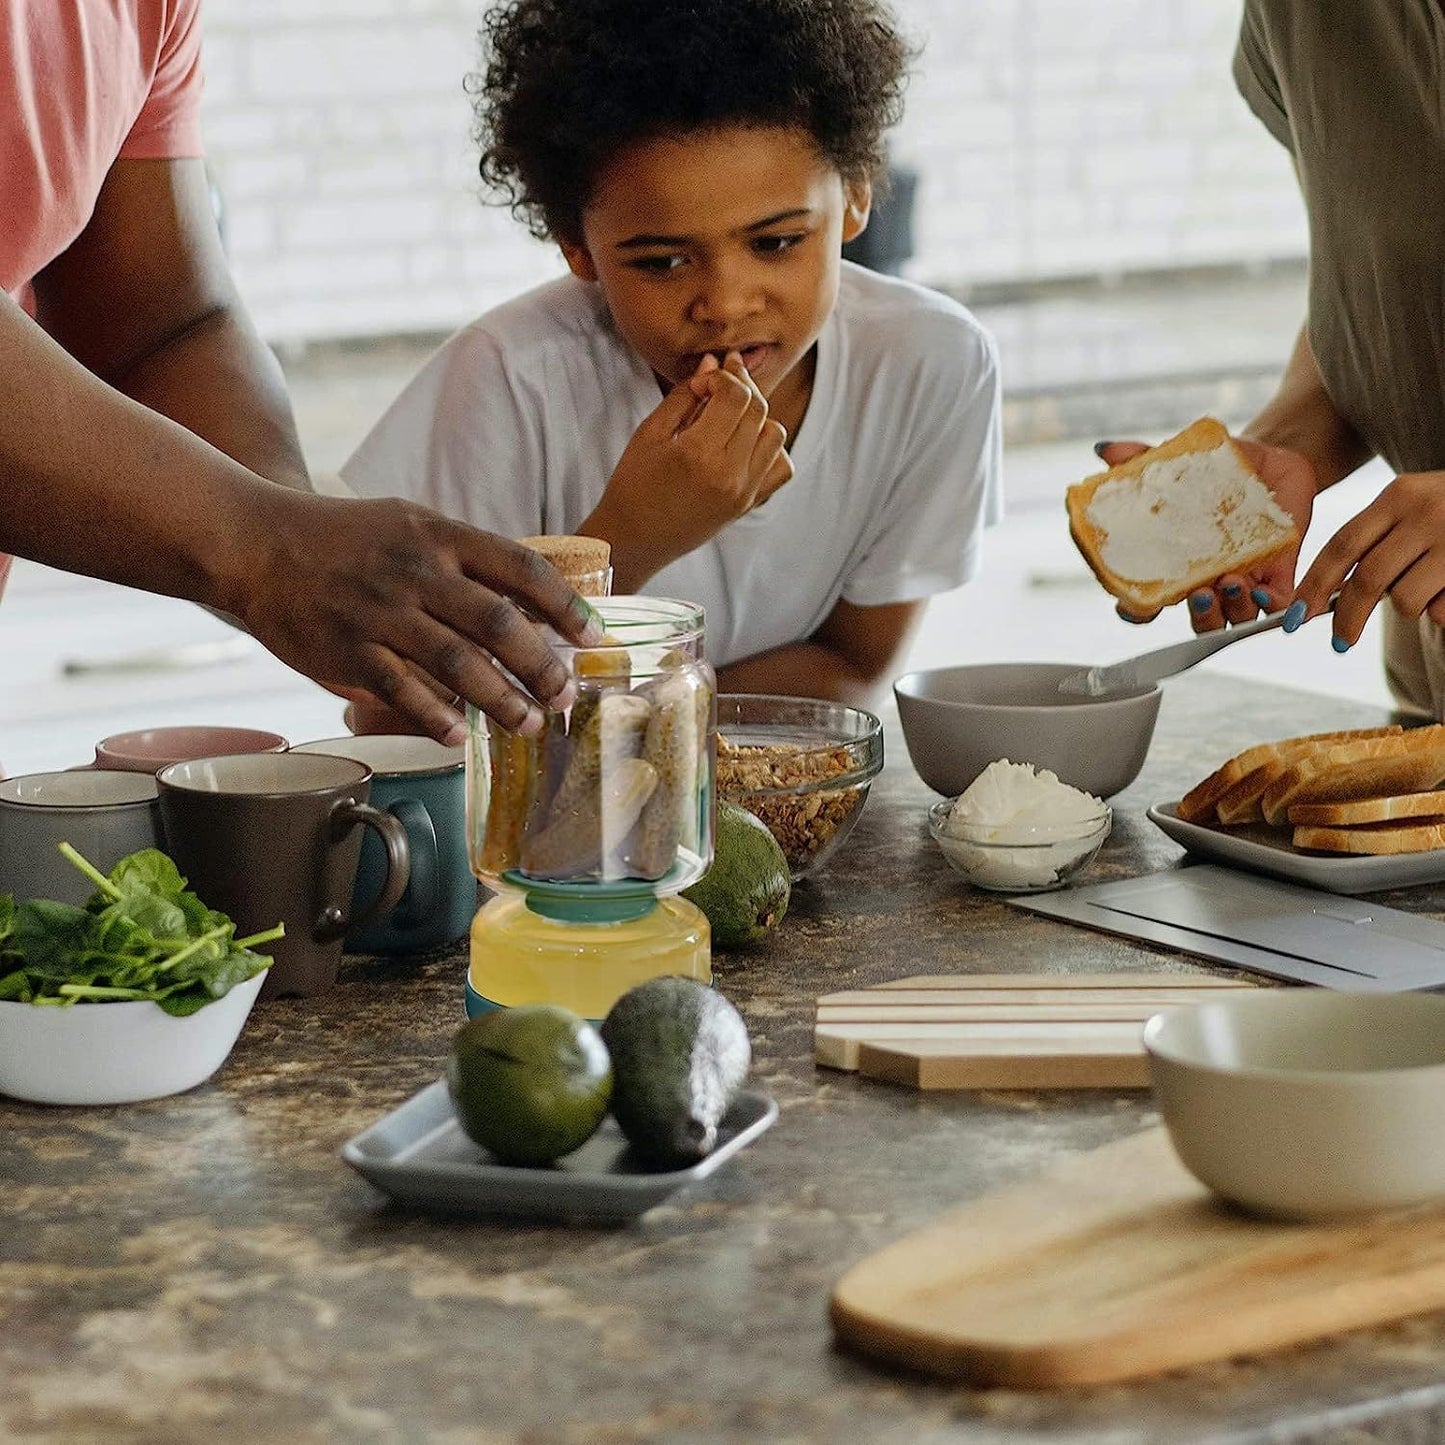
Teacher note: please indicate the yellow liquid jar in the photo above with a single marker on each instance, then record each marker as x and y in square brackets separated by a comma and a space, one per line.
[520, 955]
[588, 831]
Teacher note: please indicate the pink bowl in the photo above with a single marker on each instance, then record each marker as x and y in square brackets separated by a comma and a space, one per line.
[150, 749]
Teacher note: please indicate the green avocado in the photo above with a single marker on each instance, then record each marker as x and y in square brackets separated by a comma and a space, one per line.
[529, 1084]
[746, 891]
[680, 1053]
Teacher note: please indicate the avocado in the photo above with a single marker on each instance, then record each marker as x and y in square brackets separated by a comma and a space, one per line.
[746, 891]
[680, 1053]
[529, 1084]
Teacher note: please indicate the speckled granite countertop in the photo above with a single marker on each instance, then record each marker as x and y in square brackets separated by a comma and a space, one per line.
[205, 1267]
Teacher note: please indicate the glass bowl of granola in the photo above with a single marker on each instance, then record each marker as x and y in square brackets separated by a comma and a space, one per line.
[801, 765]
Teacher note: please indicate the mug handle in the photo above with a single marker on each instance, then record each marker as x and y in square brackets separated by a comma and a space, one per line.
[345, 816]
[420, 899]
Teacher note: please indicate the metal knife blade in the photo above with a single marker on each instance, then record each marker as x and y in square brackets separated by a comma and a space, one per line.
[1148, 668]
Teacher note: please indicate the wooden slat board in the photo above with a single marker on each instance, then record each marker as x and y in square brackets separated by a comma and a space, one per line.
[1004, 1031]
[1118, 1264]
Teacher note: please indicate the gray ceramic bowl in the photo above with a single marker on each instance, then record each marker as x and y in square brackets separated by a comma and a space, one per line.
[1306, 1104]
[957, 720]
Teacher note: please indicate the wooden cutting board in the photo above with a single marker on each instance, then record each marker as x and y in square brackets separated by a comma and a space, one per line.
[1118, 1264]
[1005, 1031]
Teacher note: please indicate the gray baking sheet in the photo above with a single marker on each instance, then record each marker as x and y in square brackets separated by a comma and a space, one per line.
[419, 1155]
[1275, 855]
[1283, 930]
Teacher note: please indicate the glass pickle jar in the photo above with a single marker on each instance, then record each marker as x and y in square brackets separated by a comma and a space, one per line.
[587, 831]
[616, 791]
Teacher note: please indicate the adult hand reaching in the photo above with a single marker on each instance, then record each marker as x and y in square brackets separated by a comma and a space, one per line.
[395, 606]
[1241, 596]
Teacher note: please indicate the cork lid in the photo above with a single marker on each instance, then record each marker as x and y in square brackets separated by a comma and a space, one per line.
[573, 556]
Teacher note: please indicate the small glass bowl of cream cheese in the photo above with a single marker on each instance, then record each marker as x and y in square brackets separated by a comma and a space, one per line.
[1018, 829]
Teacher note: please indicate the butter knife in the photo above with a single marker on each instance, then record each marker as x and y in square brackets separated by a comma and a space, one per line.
[1150, 667]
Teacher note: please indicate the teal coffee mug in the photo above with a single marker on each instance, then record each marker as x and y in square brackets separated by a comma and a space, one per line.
[422, 784]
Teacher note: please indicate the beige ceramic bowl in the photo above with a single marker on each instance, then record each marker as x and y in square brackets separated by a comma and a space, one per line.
[957, 720]
[1306, 1104]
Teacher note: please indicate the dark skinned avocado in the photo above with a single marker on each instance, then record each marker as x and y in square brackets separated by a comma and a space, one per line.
[680, 1053]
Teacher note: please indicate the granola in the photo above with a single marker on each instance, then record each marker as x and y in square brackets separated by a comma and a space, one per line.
[804, 821]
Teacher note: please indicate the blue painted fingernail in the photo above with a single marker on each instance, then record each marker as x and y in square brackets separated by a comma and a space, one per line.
[1136, 621]
[1294, 614]
[1259, 597]
[1339, 644]
[1202, 601]
[1100, 448]
[1232, 589]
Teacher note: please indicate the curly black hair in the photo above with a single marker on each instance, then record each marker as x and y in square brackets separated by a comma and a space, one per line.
[569, 83]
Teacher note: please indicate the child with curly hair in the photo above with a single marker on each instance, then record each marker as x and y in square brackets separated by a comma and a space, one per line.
[805, 448]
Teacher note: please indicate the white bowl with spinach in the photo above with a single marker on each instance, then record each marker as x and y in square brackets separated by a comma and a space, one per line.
[139, 994]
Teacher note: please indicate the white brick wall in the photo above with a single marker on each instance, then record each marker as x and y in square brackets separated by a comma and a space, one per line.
[1053, 137]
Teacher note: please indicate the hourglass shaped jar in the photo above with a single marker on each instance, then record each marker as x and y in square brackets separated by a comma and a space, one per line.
[614, 797]
[587, 830]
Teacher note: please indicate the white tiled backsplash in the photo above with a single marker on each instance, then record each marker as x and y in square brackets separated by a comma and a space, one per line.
[1054, 138]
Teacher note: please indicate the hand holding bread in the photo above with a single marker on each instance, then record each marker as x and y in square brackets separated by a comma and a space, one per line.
[1204, 516]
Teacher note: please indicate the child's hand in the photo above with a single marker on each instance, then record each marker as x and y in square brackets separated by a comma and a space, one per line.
[1396, 546]
[708, 455]
[1241, 596]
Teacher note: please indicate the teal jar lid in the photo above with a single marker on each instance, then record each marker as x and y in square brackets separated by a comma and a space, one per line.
[585, 901]
[589, 901]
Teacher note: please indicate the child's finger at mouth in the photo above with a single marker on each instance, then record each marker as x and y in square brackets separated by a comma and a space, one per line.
[736, 366]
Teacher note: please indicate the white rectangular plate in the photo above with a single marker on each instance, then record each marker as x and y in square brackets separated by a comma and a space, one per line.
[1335, 873]
[419, 1155]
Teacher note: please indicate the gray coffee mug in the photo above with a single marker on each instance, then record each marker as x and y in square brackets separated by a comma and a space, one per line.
[103, 816]
[274, 837]
[423, 784]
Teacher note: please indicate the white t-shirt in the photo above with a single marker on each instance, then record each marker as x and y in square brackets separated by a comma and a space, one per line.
[516, 423]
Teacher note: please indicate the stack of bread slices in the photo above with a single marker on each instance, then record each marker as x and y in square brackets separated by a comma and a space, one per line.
[1372, 790]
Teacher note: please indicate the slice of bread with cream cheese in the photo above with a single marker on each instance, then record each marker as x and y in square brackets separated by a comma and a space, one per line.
[1175, 517]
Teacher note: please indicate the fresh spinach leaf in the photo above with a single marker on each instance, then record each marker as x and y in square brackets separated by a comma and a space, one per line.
[142, 935]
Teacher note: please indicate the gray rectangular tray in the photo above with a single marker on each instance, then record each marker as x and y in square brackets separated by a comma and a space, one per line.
[1335, 873]
[1283, 930]
[419, 1155]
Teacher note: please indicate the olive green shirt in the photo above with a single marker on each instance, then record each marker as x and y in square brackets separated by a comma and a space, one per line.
[1355, 89]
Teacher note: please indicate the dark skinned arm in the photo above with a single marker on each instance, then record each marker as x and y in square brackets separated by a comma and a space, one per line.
[850, 658]
[104, 471]
[144, 299]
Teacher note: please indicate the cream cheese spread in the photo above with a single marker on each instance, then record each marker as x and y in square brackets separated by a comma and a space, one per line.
[1048, 824]
[1181, 511]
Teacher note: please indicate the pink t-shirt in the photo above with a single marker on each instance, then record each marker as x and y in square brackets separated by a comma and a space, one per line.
[85, 83]
[90, 82]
